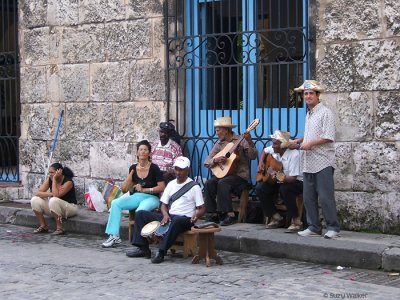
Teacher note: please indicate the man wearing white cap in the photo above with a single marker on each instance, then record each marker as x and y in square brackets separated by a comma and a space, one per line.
[289, 185]
[182, 212]
[318, 157]
[217, 191]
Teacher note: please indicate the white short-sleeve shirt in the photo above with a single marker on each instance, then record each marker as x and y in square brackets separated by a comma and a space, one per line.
[290, 161]
[185, 205]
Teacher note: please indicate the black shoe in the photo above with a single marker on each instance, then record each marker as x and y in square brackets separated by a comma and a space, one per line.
[228, 221]
[212, 218]
[138, 252]
[159, 258]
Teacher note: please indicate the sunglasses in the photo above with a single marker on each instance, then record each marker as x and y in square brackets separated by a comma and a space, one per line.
[167, 126]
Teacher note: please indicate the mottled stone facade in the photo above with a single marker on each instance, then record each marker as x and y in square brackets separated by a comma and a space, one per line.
[358, 60]
[103, 62]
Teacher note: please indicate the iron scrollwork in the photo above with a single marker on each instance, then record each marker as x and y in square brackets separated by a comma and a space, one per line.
[243, 48]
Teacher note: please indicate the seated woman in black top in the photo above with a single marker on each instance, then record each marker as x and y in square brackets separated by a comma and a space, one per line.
[146, 181]
[60, 188]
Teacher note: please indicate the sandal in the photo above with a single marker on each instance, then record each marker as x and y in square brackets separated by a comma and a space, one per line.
[41, 229]
[58, 232]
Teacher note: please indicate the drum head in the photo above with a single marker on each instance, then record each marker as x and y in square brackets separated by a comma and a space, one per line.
[162, 229]
[149, 228]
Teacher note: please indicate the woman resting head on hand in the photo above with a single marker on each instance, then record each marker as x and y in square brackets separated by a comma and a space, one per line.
[55, 198]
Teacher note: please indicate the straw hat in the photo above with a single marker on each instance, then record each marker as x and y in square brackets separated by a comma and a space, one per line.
[310, 85]
[283, 137]
[224, 122]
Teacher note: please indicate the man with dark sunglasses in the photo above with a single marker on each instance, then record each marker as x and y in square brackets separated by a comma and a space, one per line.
[165, 151]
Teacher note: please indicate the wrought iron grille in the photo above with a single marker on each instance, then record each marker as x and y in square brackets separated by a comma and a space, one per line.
[9, 92]
[238, 58]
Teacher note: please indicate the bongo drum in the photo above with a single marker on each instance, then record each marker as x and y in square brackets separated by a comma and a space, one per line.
[148, 231]
[161, 231]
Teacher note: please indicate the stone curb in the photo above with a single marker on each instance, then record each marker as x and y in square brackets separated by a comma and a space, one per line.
[368, 252]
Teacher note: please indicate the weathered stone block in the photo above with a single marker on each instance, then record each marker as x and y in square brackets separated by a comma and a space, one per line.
[344, 167]
[42, 120]
[83, 44]
[355, 121]
[35, 46]
[32, 184]
[32, 13]
[144, 9]
[79, 184]
[376, 167]
[158, 39]
[377, 65]
[9, 194]
[335, 68]
[350, 20]
[363, 211]
[68, 83]
[391, 213]
[33, 84]
[75, 155]
[148, 81]
[110, 160]
[392, 16]
[89, 122]
[388, 115]
[34, 156]
[138, 121]
[63, 12]
[97, 11]
[127, 40]
[105, 87]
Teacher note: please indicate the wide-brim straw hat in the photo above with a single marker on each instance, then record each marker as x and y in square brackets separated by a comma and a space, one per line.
[310, 85]
[283, 137]
[224, 122]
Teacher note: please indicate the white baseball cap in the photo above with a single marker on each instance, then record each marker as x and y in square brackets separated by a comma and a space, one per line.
[182, 162]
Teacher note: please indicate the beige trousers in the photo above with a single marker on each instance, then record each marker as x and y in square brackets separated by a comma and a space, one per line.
[58, 206]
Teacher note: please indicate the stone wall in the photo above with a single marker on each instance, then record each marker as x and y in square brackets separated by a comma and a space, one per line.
[102, 61]
[358, 61]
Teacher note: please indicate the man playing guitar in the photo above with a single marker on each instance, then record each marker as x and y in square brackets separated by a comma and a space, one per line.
[217, 191]
[287, 180]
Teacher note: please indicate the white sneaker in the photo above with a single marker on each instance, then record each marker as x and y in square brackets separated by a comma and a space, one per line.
[308, 232]
[112, 240]
[330, 234]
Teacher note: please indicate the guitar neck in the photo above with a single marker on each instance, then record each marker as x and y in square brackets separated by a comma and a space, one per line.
[235, 145]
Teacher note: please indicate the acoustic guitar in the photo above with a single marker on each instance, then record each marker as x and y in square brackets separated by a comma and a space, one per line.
[271, 166]
[232, 157]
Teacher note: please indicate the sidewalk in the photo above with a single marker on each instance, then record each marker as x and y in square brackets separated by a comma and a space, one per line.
[352, 249]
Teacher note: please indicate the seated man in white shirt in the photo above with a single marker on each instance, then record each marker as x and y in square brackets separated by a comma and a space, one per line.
[289, 185]
[182, 213]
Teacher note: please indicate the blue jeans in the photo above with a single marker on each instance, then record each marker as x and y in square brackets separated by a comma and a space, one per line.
[137, 201]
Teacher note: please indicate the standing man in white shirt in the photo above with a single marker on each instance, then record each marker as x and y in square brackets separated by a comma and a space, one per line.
[318, 158]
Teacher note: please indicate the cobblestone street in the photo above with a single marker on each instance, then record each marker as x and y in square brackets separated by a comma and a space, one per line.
[76, 267]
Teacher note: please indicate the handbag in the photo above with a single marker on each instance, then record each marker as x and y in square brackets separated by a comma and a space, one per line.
[110, 192]
[89, 202]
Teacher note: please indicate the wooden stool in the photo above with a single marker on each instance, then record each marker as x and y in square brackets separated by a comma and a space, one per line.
[244, 200]
[207, 246]
[186, 242]
[131, 222]
[240, 201]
